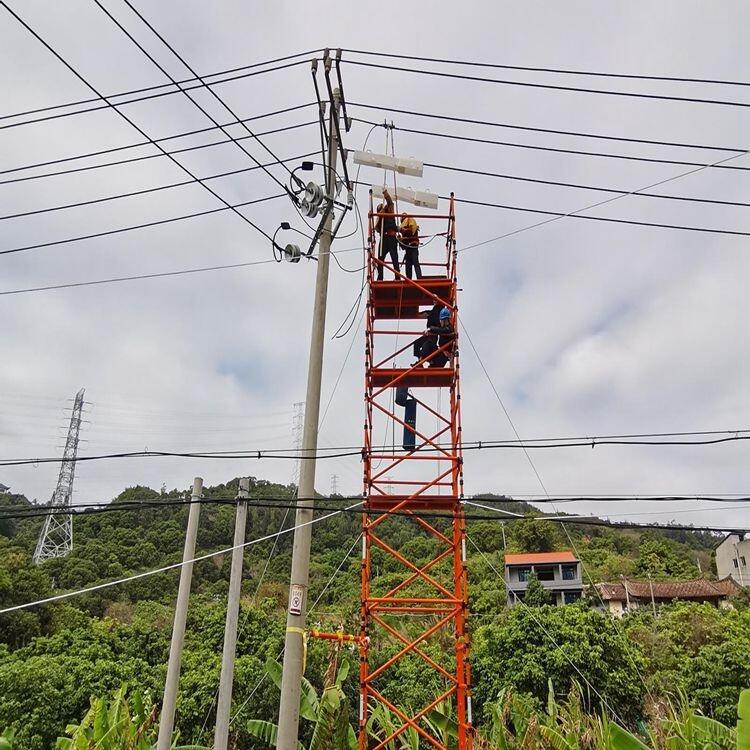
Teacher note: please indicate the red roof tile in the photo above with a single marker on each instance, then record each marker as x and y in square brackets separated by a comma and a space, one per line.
[609, 591]
[698, 588]
[540, 558]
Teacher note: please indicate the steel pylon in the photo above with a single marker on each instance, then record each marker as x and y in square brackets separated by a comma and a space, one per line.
[56, 536]
[414, 600]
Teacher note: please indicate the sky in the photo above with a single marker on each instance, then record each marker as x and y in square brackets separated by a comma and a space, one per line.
[584, 327]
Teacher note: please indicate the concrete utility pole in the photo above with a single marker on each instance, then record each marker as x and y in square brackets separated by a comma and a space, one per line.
[166, 724]
[295, 622]
[224, 706]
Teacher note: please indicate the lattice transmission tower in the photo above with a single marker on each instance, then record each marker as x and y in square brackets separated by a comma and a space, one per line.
[56, 536]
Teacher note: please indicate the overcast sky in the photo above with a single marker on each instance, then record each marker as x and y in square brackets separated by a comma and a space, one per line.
[585, 327]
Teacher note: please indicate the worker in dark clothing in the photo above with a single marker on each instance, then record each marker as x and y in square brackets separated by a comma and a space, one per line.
[433, 321]
[386, 227]
[409, 240]
[436, 338]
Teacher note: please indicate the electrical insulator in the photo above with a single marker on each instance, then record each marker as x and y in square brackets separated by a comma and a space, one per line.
[292, 253]
[400, 164]
[310, 203]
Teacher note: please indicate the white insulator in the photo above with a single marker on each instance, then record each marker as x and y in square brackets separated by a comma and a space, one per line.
[422, 198]
[399, 164]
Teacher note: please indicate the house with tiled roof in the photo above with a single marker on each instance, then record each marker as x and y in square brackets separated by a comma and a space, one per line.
[733, 558]
[558, 572]
[631, 594]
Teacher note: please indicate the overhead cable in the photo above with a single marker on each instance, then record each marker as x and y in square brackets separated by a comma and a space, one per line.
[129, 120]
[579, 186]
[550, 86]
[191, 98]
[341, 452]
[608, 219]
[326, 504]
[578, 215]
[165, 568]
[553, 131]
[537, 69]
[577, 152]
[21, 512]
[147, 157]
[158, 188]
[180, 87]
[144, 225]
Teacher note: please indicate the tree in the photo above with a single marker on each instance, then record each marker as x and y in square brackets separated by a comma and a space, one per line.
[534, 536]
[536, 595]
[526, 647]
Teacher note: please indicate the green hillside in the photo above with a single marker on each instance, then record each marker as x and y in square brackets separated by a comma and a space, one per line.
[54, 657]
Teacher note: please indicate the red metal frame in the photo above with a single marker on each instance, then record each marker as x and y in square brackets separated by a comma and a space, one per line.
[429, 601]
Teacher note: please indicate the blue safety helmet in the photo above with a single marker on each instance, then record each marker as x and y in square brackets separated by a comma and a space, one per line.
[445, 313]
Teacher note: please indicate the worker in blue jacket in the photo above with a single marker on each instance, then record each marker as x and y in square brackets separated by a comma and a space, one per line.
[436, 337]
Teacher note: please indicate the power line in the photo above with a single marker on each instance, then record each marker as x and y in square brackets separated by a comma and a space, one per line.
[577, 215]
[145, 191]
[577, 152]
[163, 569]
[129, 120]
[528, 128]
[345, 451]
[326, 504]
[23, 512]
[550, 86]
[608, 219]
[537, 69]
[147, 157]
[133, 227]
[190, 98]
[180, 88]
[138, 277]
[579, 186]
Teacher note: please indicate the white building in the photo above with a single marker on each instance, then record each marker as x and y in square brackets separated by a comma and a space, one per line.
[732, 557]
[4, 489]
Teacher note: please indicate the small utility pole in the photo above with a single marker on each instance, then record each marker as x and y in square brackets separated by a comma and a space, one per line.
[651, 586]
[295, 623]
[224, 706]
[166, 724]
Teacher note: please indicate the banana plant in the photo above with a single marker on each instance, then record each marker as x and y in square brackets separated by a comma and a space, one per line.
[382, 723]
[686, 729]
[329, 713]
[743, 725]
[513, 725]
[126, 722]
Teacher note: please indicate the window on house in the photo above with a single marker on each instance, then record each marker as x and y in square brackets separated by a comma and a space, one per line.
[545, 574]
[569, 572]
[571, 596]
[736, 564]
[523, 574]
[742, 560]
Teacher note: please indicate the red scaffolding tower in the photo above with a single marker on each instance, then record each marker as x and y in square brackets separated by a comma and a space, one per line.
[414, 603]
